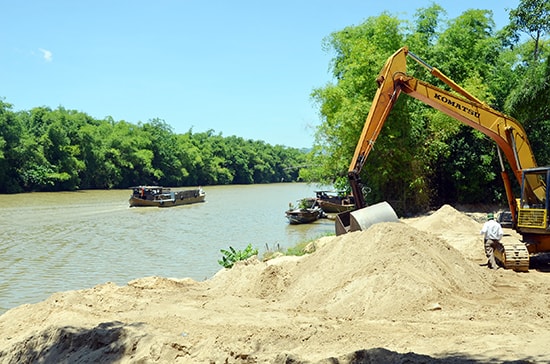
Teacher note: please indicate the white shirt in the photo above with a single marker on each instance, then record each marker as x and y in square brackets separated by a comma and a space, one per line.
[492, 230]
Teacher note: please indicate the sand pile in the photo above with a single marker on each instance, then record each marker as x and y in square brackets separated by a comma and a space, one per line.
[386, 270]
[397, 292]
[459, 230]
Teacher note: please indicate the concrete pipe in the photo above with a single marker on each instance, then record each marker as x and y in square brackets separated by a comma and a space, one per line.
[362, 219]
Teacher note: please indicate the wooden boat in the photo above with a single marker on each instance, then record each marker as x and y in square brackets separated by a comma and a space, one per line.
[303, 215]
[334, 203]
[159, 196]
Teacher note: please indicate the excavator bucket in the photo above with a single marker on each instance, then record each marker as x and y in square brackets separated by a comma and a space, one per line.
[363, 218]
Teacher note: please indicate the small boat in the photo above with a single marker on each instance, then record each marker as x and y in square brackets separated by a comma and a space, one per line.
[334, 203]
[164, 197]
[304, 215]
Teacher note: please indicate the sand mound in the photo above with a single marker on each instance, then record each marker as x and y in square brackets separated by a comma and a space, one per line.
[459, 230]
[389, 268]
[447, 219]
[160, 283]
[396, 292]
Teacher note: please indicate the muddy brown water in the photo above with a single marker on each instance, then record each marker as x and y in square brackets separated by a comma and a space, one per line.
[53, 242]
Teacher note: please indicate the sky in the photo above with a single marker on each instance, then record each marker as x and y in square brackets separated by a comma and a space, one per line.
[241, 67]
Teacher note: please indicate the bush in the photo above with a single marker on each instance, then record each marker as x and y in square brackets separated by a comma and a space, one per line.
[232, 256]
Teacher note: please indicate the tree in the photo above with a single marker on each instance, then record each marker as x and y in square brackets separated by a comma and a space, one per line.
[360, 51]
[166, 164]
[128, 150]
[417, 145]
[467, 47]
[55, 150]
[456, 155]
[530, 101]
[191, 159]
[425, 30]
[11, 132]
[527, 97]
[533, 18]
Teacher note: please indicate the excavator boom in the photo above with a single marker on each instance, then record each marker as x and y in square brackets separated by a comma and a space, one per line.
[459, 104]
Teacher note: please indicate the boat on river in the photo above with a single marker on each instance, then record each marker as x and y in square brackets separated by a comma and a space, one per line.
[159, 196]
[304, 215]
[332, 202]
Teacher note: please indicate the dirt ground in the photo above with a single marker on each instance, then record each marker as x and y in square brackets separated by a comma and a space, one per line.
[414, 291]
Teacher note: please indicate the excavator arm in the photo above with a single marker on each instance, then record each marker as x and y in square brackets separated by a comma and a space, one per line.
[529, 212]
[393, 80]
[382, 104]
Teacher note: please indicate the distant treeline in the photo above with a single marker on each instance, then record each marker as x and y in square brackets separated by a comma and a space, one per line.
[63, 150]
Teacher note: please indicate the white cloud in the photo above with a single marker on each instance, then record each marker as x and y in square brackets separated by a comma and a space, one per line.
[46, 54]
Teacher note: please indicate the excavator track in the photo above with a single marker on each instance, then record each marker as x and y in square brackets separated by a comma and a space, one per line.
[513, 255]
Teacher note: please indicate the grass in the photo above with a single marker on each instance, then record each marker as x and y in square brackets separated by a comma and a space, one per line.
[232, 255]
[301, 248]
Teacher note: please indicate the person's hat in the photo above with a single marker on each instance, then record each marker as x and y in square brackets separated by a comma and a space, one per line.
[490, 216]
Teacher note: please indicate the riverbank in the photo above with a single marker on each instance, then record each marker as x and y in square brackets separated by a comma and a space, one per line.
[413, 291]
[53, 242]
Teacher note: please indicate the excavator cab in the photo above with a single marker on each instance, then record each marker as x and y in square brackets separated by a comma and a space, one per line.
[533, 204]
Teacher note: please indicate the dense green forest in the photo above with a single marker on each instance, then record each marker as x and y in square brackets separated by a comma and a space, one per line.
[423, 158]
[63, 150]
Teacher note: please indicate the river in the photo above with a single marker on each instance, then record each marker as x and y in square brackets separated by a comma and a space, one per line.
[61, 241]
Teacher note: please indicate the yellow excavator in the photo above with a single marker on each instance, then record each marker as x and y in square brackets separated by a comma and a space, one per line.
[529, 211]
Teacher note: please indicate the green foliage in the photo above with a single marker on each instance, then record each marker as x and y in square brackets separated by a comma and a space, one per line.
[231, 256]
[533, 18]
[56, 150]
[301, 248]
[530, 101]
[297, 250]
[360, 51]
[422, 157]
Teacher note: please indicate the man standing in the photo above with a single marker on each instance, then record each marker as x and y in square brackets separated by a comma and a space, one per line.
[493, 233]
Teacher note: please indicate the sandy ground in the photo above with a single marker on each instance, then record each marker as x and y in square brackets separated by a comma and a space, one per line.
[409, 292]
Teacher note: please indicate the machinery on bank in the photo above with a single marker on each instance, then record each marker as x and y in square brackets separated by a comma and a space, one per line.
[529, 211]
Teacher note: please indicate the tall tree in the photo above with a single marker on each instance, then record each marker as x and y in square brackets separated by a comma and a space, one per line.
[530, 101]
[533, 18]
[425, 30]
[166, 163]
[360, 51]
[468, 52]
[416, 145]
[11, 131]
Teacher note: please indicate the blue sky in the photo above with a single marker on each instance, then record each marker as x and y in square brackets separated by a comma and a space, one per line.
[244, 68]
